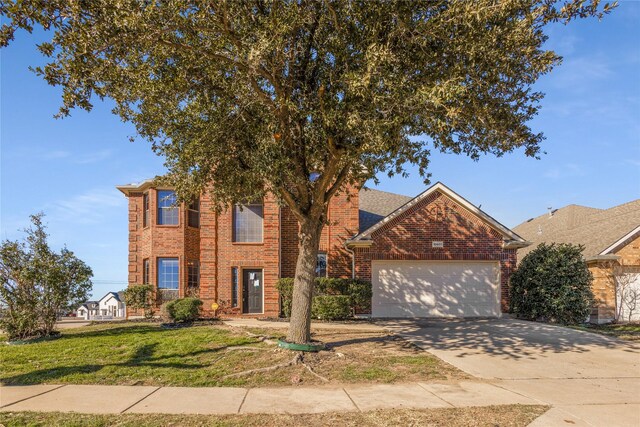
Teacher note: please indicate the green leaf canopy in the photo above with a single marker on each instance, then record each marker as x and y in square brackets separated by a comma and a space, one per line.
[258, 95]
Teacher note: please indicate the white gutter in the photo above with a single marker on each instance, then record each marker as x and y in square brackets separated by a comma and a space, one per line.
[353, 259]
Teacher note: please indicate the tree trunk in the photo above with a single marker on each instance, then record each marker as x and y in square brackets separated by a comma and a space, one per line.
[304, 282]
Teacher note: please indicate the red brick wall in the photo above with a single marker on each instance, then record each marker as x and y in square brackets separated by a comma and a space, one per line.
[212, 245]
[408, 237]
[438, 218]
[219, 254]
[158, 241]
[343, 223]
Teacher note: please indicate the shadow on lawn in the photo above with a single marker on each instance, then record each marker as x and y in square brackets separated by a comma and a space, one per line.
[143, 357]
[120, 330]
[383, 341]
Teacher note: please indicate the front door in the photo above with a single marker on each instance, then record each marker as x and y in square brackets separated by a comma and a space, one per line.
[252, 291]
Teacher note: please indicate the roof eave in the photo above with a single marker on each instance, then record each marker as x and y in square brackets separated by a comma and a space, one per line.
[516, 244]
[127, 189]
[598, 258]
[356, 243]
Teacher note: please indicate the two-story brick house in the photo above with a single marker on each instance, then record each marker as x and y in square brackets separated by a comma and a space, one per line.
[433, 255]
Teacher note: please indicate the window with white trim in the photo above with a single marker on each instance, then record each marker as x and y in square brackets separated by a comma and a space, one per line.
[168, 273]
[247, 223]
[168, 212]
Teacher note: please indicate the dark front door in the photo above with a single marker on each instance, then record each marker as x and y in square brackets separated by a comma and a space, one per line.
[252, 291]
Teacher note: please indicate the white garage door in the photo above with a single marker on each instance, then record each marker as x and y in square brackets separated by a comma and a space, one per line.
[435, 289]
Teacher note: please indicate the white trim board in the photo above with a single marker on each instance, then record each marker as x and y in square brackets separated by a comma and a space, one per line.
[621, 241]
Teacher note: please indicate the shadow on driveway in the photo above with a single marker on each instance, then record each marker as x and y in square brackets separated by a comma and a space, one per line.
[508, 338]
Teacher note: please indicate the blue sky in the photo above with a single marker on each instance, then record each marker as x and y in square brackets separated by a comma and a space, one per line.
[69, 168]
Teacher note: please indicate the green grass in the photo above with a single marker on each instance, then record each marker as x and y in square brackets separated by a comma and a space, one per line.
[625, 331]
[504, 416]
[200, 356]
[130, 354]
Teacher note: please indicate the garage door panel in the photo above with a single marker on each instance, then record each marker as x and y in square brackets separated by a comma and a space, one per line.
[434, 289]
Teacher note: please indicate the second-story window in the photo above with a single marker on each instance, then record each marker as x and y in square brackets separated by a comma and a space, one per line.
[168, 212]
[194, 214]
[145, 209]
[247, 223]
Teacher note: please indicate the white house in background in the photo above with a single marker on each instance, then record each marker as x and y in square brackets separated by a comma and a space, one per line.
[110, 306]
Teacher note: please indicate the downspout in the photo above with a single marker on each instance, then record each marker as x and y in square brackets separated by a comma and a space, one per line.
[216, 275]
[353, 260]
[279, 255]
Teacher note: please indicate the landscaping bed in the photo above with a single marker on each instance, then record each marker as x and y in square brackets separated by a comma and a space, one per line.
[215, 355]
[504, 416]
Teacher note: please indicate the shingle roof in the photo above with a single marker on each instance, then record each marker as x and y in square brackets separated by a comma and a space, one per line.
[596, 229]
[376, 204]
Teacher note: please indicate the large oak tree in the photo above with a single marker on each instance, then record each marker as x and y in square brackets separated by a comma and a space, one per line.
[298, 98]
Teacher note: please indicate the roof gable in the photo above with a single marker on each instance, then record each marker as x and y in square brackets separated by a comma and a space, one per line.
[109, 295]
[365, 236]
[623, 241]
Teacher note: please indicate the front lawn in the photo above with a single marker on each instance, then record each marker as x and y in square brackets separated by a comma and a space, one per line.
[625, 331]
[146, 354]
[490, 416]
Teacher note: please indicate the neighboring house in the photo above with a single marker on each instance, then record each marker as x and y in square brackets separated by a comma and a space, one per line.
[611, 240]
[110, 306]
[430, 256]
[88, 310]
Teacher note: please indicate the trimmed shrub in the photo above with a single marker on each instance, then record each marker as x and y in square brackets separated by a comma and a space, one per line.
[357, 291]
[331, 286]
[360, 293]
[140, 297]
[552, 284]
[285, 288]
[331, 307]
[182, 310]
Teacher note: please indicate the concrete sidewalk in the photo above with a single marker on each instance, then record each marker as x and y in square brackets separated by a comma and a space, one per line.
[610, 403]
[227, 400]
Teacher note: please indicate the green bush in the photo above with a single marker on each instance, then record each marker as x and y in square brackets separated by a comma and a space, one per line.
[357, 291]
[331, 286]
[331, 307]
[285, 288]
[552, 284]
[360, 293]
[182, 309]
[140, 297]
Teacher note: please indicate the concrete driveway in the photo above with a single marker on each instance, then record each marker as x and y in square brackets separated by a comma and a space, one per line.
[589, 379]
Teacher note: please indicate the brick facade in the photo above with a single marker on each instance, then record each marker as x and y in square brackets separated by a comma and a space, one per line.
[603, 285]
[438, 218]
[408, 236]
[342, 225]
[212, 246]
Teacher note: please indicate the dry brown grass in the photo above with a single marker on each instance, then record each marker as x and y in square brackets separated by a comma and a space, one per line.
[504, 416]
